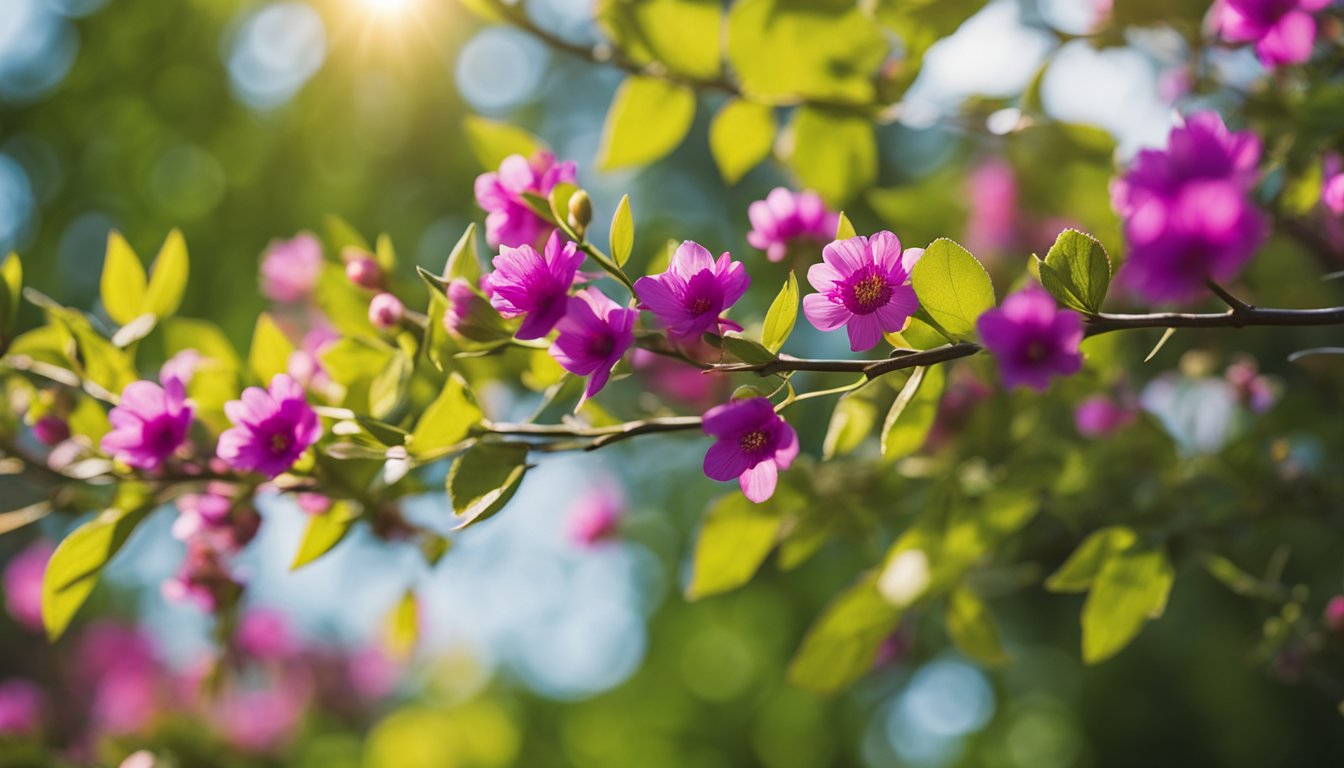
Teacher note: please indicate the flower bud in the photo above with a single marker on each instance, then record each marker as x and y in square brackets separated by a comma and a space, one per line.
[364, 272]
[51, 430]
[386, 311]
[580, 211]
[470, 316]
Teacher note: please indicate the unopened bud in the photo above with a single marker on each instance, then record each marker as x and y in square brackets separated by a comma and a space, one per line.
[580, 211]
[364, 272]
[386, 311]
[470, 317]
[51, 430]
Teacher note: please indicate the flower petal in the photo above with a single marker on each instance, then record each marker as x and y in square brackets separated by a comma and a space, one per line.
[824, 314]
[758, 483]
[724, 461]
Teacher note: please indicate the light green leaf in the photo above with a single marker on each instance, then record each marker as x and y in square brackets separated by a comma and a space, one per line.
[851, 422]
[1131, 588]
[740, 137]
[972, 628]
[341, 234]
[11, 295]
[648, 119]
[484, 478]
[168, 278]
[784, 51]
[387, 389]
[462, 261]
[681, 34]
[447, 421]
[385, 254]
[734, 540]
[493, 140]
[746, 350]
[912, 414]
[1077, 573]
[269, 355]
[1077, 271]
[78, 561]
[123, 282]
[324, 532]
[403, 627]
[345, 304]
[622, 232]
[841, 645]
[783, 313]
[843, 229]
[834, 152]
[952, 287]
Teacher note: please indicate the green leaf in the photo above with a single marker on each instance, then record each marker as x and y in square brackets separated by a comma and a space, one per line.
[11, 295]
[1077, 271]
[745, 349]
[123, 282]
[168, 278]
[270, 351]
[385, 254]
[851, 422]
[972, 628]
[403, 626]
[740, 137]
[1131, 588]
[622, 232]
[783, 313]
[447, 421]
[834, 152]
[912, 414]
[462, 260]
[841, 645]
[484, 478]
[78, 561]
[493, 140]
[843, 229]
[681, 34]
[648, 119]
[341, 234]
[1077, 573]
[387, 389]
[323, 532]
[952, 287]
[784, 51]
[734, 540]
[345, 304]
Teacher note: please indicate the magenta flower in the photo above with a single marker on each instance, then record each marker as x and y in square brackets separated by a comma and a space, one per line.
[21, 704]
[1334, 614]
[1101, 416]
[265, 634]
[216, 517]
[290, 268]
[1332, 185]
[689, 297]
[1187, 210]
[1283, 30]
[271, 429]
[149, 423]
[51, 430]
[203, 578]
[595, 515]
[784, 218]
[535, 285]
[594, 333]
[509, 222]
[753, 443]
[1032, 339]
[23, 584]
[993, 225]
[862, 285]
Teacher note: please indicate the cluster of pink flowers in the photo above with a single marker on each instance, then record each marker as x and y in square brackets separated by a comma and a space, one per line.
[1187, 210]
[1283, 31]
[786, 219]
[509, 221]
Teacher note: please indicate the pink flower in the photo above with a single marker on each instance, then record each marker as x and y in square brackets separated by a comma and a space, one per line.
[203, 578]
[271, 428]
[862, 285]
[149, 424]
[1255, 390]
[509, 221]
[372, 673]
[689, 297]
[290, 268]
[594, 333]
[994, 217]
[1283, 30]
[1332, 189]
[527, 283]
[386, 311]
[753, 444]
[1032, 339]
[677, 380]
[21, 705]
[182, 366]
[227, 524]
[784, 218]
[264, 720]
[1334, 614]
[1102, 415]
[265, 634]
[120, 667]
[23, 584]
[595, 515]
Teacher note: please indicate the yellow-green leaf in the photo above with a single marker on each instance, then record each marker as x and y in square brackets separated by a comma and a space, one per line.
[622, 232]
[1131, 588]
[11, 294]
[484, 478]
[834, 152]
[782, 315]
[912, 414]
[851, 422]
[740, 137]
[493, 140]
[841, 645]
[735, 539]
[952, 287]
[447, 421]
[168, 278]
[123, 282]
[972, 628]
[403, 626]
[843, 229]
[78, 561]
[782, 50]
[270, 350]
[323, 532]
[1076, 271]
[1077, 573]
[648, 119]
[683, 35]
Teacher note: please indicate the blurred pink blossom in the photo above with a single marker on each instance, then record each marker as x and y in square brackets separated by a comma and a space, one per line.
[21, 704]
[594, 516]
[23, 584]
[265, 634]
[1102, 415]
[290, 268]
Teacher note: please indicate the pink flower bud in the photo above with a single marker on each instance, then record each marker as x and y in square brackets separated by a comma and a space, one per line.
[364, 272]
[1334, 614]
[386, 311]
[51, 430]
